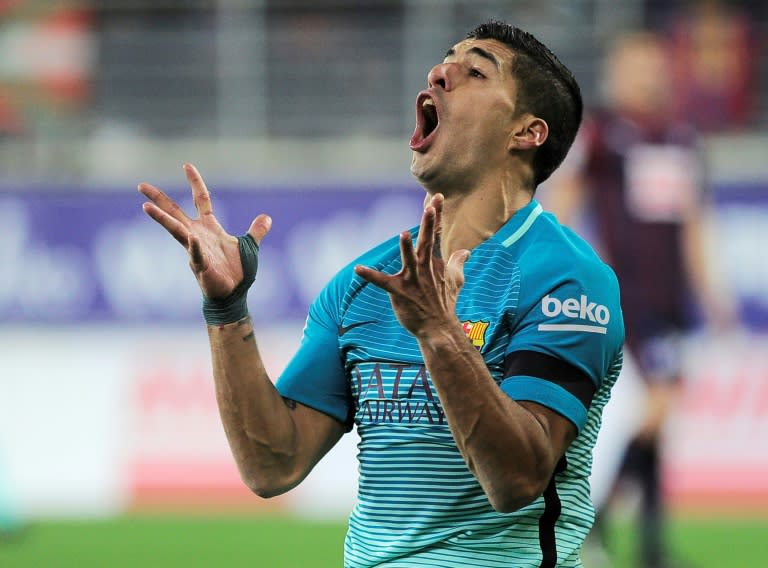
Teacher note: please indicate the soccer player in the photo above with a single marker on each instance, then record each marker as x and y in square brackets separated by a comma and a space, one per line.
[474, 353]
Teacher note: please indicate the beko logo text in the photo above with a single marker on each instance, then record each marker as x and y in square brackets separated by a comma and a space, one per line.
[581, 309]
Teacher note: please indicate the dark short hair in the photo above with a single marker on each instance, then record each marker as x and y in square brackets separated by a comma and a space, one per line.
[546, 88]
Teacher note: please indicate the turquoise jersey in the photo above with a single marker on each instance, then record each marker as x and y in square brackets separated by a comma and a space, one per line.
[544, 312]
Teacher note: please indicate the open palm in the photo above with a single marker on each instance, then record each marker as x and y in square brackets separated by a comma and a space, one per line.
[214, 254]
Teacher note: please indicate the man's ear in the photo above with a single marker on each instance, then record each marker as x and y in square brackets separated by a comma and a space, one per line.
[529, 133]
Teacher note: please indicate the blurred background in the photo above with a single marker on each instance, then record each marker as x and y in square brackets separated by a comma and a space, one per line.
[301, 109]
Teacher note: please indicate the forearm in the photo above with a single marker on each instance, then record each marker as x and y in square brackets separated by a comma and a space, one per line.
[258, 423]
[503, 443]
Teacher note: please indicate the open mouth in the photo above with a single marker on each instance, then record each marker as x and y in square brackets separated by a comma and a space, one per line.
[427, 121]
[430, 116]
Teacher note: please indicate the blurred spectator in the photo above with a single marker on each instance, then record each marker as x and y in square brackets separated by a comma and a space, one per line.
[45, 60]
[637, 173]
[714, 56]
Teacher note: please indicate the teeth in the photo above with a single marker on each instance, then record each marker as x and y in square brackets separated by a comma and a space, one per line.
[427, 102]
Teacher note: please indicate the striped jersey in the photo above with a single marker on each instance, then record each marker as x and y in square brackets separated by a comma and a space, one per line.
[543, 310]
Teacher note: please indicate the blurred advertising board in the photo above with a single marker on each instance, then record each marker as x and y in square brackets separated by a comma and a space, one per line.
[716, 452]
[740, 235]
[97, 419]
[74, 256]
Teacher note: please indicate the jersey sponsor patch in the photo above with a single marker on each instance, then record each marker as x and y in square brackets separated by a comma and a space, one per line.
[395, 393]
[582, 314]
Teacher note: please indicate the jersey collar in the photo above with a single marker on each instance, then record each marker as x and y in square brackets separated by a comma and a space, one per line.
[514, 229]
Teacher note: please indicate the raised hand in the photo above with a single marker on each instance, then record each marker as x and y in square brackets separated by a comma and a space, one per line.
[424, 292]
[214, 254]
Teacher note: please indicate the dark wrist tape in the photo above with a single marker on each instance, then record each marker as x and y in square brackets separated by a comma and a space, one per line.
[234, 307]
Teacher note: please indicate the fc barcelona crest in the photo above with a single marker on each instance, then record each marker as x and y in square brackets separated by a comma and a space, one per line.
[475, 332]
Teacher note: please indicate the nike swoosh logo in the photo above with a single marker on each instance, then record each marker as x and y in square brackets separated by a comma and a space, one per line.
[344, 329]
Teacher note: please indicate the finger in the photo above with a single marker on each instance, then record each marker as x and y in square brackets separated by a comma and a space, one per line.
[375, 277]
[437, 202]
[177, 229]
[425, 240]
[260, 227]
[407, 253]
[161, 200]
[200, 194]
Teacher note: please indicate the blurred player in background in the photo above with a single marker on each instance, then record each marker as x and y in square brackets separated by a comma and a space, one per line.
[637, 174]
[474, 362]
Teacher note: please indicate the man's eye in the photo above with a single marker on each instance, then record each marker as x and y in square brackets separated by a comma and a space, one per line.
[476, 73]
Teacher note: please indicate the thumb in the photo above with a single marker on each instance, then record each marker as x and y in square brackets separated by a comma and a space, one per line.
[455, 267]
[260, 227]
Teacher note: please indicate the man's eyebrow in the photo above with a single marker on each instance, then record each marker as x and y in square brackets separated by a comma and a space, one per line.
[478, 51]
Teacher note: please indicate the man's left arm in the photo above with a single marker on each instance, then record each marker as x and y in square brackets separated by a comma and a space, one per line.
[511, 447]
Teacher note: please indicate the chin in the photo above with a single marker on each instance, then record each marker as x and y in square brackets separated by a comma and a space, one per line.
[424, 177]
[416, 169]
[423, 168]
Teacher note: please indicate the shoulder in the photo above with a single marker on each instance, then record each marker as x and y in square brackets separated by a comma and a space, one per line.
[558, 259]
[555, 249]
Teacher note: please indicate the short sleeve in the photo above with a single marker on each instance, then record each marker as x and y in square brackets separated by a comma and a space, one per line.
[566, 340]
[315, 375]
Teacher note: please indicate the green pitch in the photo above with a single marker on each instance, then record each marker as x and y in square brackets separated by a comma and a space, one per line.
[279, 542]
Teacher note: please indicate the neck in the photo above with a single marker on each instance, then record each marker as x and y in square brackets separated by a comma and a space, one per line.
[469, 218]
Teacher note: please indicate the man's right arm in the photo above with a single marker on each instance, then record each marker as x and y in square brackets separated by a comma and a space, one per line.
[275, 441]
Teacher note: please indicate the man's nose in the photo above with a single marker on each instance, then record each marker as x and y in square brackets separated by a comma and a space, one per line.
[440, 75]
